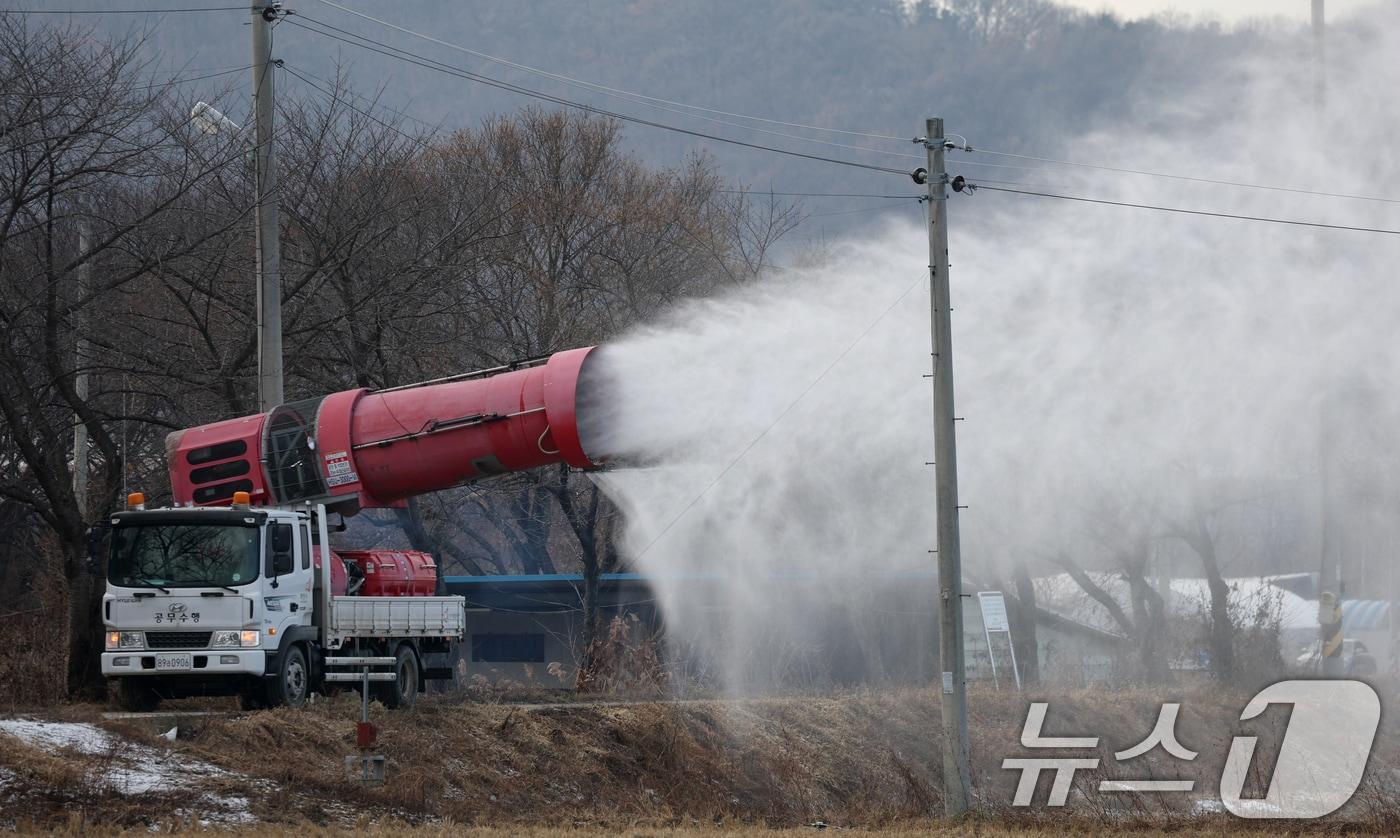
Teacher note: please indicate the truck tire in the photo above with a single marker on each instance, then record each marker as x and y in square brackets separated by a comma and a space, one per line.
[292, 683]
[403, 690]
[136, 696]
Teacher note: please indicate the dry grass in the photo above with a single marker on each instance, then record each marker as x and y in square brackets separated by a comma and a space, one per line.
[775, 760]
[904, 829]
[868, 758]
[864, 761]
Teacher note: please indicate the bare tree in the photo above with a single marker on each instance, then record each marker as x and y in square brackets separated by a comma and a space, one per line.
[590, 517]
[1118, 529]
[1192, 522]
[1025, 638]
[87, 140]
[1007, 23]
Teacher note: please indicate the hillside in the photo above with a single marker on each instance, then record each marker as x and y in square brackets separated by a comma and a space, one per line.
[1009, 75]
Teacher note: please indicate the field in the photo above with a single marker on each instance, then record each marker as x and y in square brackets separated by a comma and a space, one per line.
[858, 761]
[898, 830]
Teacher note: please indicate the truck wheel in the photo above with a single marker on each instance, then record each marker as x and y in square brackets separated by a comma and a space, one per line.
[292, 683]
[136, 696]
[403, 690]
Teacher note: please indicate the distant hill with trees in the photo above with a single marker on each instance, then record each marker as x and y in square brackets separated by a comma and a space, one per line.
[1008, 74]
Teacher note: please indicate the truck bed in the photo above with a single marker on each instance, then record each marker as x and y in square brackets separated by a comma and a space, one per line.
[397, 616]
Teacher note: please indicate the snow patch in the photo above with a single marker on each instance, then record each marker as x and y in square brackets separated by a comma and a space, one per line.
[133, 768]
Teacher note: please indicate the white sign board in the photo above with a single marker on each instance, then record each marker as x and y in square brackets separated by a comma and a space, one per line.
[994, 619]
[993, 610]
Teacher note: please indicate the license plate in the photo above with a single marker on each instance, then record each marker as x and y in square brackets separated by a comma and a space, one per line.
[174, 662]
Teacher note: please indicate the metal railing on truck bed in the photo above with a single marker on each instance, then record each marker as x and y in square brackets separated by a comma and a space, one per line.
[399, 616]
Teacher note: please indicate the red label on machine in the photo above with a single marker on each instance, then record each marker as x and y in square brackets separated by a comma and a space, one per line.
[339, 469]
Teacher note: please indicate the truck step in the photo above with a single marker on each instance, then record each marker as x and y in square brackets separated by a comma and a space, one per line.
[352, 661]
[360, 676]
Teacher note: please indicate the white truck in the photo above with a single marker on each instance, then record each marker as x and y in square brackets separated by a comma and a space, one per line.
[236, 600]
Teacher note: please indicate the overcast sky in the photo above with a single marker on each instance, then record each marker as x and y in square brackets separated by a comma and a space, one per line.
[1225, 10]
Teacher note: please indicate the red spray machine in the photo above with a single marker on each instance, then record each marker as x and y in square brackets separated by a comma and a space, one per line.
[393, 572]
[376, 448]
[235, 590]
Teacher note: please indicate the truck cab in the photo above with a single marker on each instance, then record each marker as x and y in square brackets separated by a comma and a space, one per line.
[210, 601]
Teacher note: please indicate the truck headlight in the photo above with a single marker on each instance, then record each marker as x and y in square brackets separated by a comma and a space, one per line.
[224, 640]
[249, 637]
[125, 640]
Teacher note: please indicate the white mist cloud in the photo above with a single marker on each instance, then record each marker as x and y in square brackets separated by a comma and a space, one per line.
[1104, 355]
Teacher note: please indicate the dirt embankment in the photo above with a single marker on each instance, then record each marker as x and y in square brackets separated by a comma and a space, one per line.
[865, 759]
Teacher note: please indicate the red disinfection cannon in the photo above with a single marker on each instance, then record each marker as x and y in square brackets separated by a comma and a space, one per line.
[373, 448]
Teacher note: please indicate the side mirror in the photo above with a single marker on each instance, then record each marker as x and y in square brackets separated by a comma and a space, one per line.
[99, 539]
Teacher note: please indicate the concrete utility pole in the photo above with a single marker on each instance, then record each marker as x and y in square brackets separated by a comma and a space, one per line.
[957, 779]
[1329, 582]
[1329, 577]
[80, 379]
[269, 239]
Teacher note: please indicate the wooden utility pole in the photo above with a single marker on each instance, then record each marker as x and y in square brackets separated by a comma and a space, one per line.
[269, 240]
[957, 780]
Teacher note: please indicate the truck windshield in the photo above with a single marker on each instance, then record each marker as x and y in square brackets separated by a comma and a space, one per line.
[183, 555]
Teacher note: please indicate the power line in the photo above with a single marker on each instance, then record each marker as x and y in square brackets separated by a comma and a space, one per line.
[1190, 178]
[1003, 166]
[981, 181]
[688, 114]
[479, 172]
[431, 64]
[167, 83]
[857, 210]
[122, 11]
[332, 89]
[327, 88]
[1182, 211]
[761, 192]
[633, 96]
[331, 93]
[601, 88]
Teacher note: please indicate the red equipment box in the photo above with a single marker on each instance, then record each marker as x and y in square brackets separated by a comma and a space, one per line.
[394, 572]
